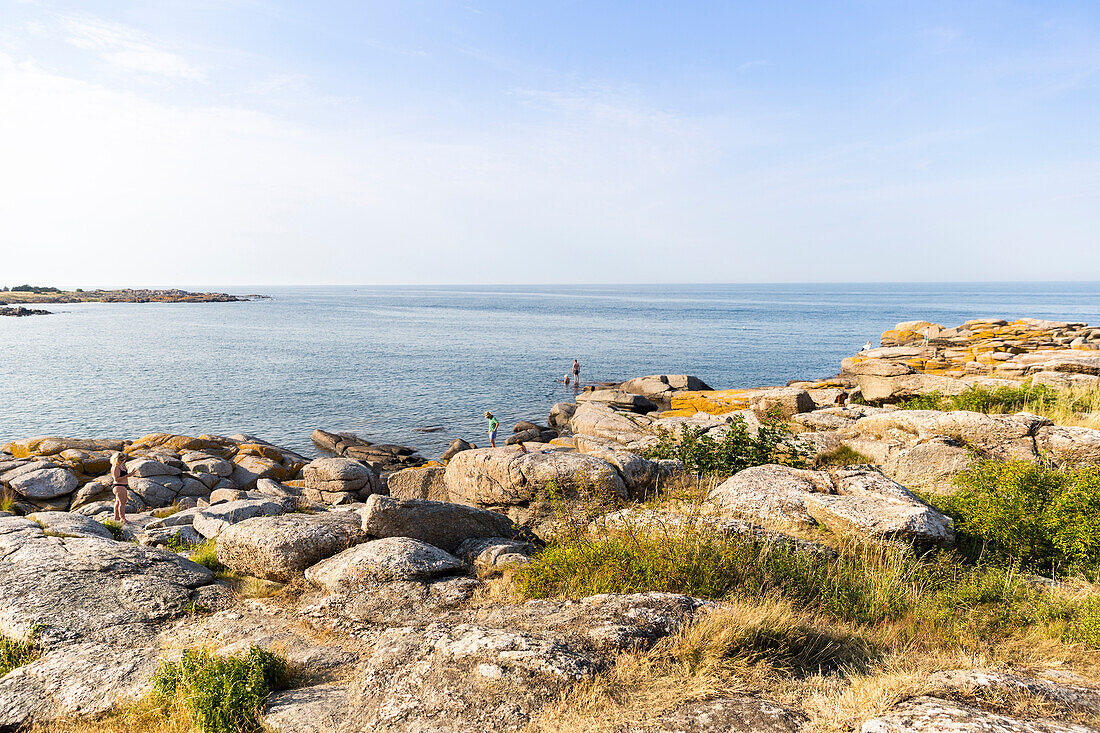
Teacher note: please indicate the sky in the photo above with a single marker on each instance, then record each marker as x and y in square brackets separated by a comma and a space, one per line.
[254, 142]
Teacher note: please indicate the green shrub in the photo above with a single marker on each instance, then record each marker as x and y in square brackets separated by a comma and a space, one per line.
[17, 652]
[221, 694]
[1046, 519]
[738, 449]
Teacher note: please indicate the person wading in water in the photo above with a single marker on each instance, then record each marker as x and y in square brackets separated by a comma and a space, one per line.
[576, 373]
[120, 477]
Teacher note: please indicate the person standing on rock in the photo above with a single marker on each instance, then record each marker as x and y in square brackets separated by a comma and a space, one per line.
[493, 425]
[120, 478]
[576, 373]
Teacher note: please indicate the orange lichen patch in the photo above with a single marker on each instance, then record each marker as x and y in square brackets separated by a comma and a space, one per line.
[177, 443]
[296, 483]
[264, 451]
[897, 338]
[684, 412]
[24, 448]
[562, 442]
[431, 464]
[715, 402]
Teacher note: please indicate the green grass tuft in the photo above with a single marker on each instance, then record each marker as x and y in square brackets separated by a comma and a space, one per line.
[17, 652]
[221, 694]
[115, 529]
[842, 456]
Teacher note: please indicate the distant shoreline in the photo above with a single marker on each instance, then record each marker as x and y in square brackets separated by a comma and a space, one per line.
[27, 297]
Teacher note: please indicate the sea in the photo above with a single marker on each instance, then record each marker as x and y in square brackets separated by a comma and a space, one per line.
[420, 365]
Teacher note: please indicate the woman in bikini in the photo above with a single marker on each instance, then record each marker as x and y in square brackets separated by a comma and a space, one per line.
[120, 477]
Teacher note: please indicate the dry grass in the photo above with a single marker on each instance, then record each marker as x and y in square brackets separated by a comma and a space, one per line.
[841, 656]
[139, 717]
[838, 675]
[1078, 407]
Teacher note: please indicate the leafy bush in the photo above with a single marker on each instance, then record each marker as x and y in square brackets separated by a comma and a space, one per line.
[1046, 519]
[738, 449]
[17, 652]
[221, 694]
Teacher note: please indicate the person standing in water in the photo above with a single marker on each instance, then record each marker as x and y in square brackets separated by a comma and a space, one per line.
[120, 478]
[576, 373]
[493, 425]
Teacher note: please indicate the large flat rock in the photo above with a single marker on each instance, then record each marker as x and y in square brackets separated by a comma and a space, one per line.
[281, 547]
[522, 484]
[442, 524]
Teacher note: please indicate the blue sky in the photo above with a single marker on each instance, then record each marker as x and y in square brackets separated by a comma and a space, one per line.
[251, 142]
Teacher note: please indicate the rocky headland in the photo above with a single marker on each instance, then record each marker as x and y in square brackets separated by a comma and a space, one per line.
[394, 585]
[127, 295]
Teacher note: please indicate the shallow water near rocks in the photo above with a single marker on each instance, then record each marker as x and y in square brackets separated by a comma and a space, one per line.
[389, 362]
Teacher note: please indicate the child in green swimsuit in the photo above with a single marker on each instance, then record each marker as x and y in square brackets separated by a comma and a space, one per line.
[493, 425]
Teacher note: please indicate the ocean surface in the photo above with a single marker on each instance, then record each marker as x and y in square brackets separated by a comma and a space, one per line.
[388, 363]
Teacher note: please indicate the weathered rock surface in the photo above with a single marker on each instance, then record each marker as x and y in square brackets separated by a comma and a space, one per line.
[213, 520]
[66, 524]
[280, 547]
[41, 483]
[662, 387]
[88, 597]
[642, 476]
[617, 399]
[490, 552]
[933, 715]
[519, 484]
[426, 482]
[852, 500]
[1071, 697]
[729, 715]
[383, 560]
[502, 669]
[1010, 437]
[444, 525]
[600, 421]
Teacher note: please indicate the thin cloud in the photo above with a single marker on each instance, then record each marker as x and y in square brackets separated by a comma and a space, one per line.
[752, 65]
[125, 48]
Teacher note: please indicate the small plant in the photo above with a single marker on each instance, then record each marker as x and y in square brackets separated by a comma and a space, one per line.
[17, 652]
[738, 449]
[115, 529]
[206, 555]
[7, 500]
[842, 456]
[220, 694]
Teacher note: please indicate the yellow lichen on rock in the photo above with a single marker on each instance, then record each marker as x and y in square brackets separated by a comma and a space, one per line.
[713, 402]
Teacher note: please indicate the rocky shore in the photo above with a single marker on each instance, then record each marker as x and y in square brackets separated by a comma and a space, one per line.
[119, 296]
[393, 624]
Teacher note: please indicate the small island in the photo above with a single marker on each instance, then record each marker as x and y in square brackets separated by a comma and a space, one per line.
[37, 294]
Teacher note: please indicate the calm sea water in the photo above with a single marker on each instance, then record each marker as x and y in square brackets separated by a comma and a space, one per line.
[386, 363]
